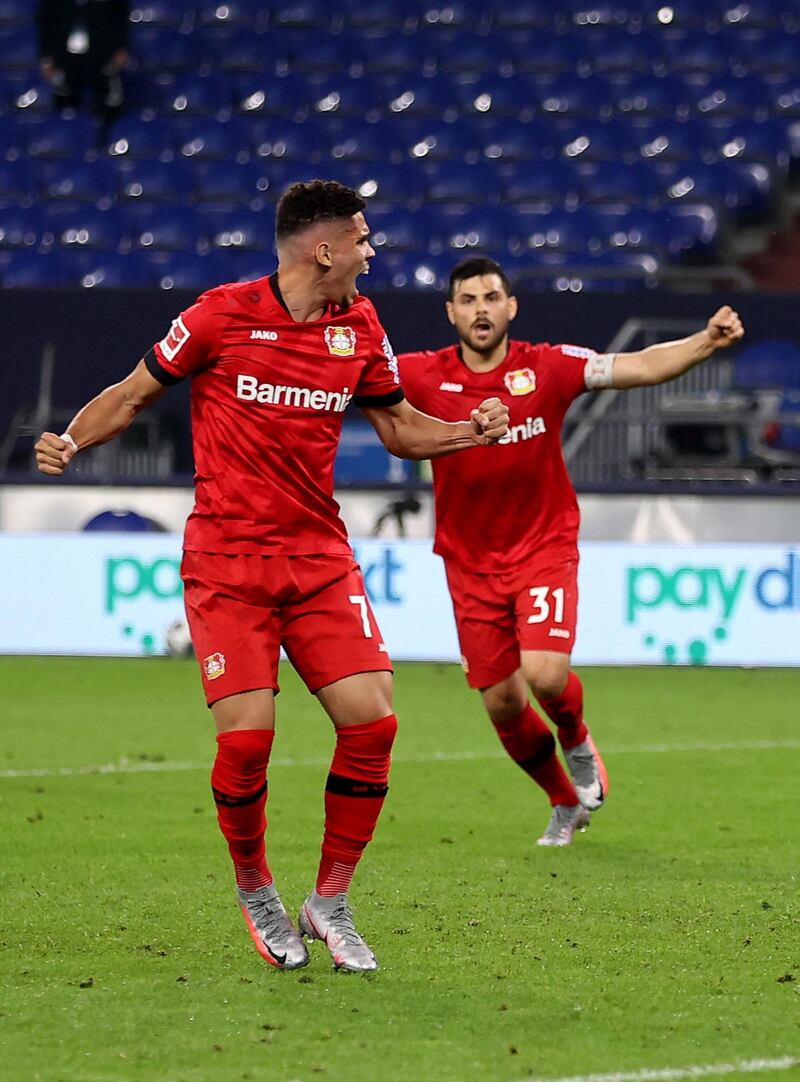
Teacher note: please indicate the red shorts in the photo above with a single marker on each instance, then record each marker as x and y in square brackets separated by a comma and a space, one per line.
[497, 616]
[242, 609]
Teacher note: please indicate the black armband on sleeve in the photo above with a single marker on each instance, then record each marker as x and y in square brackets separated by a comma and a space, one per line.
[157, 371]
[379, 401]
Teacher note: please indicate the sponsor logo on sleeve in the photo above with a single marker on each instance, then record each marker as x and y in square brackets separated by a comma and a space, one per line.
[341, 341]
[577, 351]
[175, 340]
[391, 359]
[520, 381]
[214, 666]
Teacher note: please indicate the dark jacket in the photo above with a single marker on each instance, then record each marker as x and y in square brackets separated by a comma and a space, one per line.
[106, 22]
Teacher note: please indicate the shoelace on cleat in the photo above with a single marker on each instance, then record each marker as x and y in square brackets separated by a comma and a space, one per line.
[270, 918]
[340, 920]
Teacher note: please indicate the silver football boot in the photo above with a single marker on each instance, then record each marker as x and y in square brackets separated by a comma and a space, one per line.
[276, 938]
[563, 823]
[331, 920]
[588, 772]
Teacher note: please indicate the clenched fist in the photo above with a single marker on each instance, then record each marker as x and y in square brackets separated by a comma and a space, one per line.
[724, 328]
[490, 420]
[54, 453]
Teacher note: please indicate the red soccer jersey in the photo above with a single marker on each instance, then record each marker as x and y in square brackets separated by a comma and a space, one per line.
[497, 506]
[268, 399]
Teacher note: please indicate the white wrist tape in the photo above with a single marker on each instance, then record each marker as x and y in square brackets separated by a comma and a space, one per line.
[599, 371]
[65, 436]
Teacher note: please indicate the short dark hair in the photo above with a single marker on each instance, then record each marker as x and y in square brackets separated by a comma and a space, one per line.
[304, 204]
[474, 266]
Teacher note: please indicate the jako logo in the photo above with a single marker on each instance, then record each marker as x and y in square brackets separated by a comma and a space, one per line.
[264, 336]
[248, 389]
[532, 426]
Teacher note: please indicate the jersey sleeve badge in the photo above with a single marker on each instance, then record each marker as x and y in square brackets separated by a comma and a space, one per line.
[178, 336]
[520, 381]
[341, 341]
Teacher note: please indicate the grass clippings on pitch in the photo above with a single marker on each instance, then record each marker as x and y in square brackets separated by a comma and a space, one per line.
[666, 936]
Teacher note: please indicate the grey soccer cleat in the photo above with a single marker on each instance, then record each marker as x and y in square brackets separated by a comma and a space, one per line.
[588, 773]
[331, 920]
[276, 938]
[564, 821]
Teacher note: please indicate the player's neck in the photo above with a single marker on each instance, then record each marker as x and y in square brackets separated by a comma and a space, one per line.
[302, 297]
[484, 362]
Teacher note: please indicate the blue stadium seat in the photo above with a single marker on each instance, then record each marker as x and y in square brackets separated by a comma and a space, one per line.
[154, 181]
[607, 272]
[488, 230]
[463, 52]
[303, 14]
[492, 95]
[418, 96]
[742, 188]
[317, 52]
[753, 141]
[284, 141]
[381, 16]
[160, 13]
[503, 140]
[223, 182]
[384, 184]
[13, 137]
[83, 226]
[337, 96]
[450, 182]
[604, 183]
[696, 53]
[14, 12]
[94, 182]
[731, 96]
[434, 140]
[26, 93]
[771, 364]
[61, 136]
[773, 52]
[540, 54]
[236, 51]
[29, 269]
[188, 270]
[554, 229]
[636, 229]
[566, 96]
[663, 140]
[587, 140]
[21, 227]
[395, 54]
[240, 228]
[595, 15]
[398, 229]
[694, 231]
[166, 228]
[758, 14]
[448, 15]
[132, 137]
[17, 183]
[266, 95]
[204, 139]
[652, 95]
[113, 270]
[249, 14]
[157, 49]
[550, 182]
[785, 96]
[203, 95]
[676, 16]
[528, 15]
[619, 53]
[18, 48]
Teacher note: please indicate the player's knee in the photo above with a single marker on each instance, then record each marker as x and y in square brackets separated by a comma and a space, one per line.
[383, 733]
[548, 685]
[503, 706]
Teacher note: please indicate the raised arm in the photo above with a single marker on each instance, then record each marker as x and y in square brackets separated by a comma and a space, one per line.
[99, 421]
[407, 433]
[668, 360]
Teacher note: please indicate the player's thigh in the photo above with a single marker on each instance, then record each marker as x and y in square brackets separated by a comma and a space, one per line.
[248, 710]
[545, 671]
[485, 623]
[236, 634]
[330, 632]
[546, 607]
[358, 699]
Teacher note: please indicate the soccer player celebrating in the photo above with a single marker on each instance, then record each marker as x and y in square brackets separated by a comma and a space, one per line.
[507, 522]
[274, 364]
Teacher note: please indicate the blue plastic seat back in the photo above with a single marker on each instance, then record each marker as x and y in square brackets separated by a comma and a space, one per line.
[492, 95]
[772, 364]
[385, 184]
[147, 181]
[241, 229]
[434, 140]
[94, 181]
[133, 137]
[157, 49]
[221, 182]
[262, 94]
[652, 95]
[85, 227]
[166, 228]
[479, 230]
[21, 227]
[550, 182]
[195, 94]
[555, 229]
[27, 269]
[55, 136]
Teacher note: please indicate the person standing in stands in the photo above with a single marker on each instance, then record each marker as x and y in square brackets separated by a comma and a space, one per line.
[82, 50]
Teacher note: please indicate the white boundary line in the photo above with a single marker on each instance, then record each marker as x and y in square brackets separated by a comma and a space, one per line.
[134, 766]
[672, 1074]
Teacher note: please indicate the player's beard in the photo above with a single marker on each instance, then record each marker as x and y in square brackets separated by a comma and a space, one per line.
[486, 346]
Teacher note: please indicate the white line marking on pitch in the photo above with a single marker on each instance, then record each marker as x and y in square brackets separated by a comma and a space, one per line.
[673, 1074]
[135, 766]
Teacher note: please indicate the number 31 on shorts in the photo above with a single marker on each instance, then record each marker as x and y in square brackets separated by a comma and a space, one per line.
[542, 605]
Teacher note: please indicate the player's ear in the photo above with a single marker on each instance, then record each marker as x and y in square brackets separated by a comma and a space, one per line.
[513, 308]
[323, 254]
[451, 315]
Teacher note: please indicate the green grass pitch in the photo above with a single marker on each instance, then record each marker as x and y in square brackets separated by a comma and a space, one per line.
[667, 936]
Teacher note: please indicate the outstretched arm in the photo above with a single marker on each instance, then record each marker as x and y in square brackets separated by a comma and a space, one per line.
[668, 360]
[99, 421]
[407, 433]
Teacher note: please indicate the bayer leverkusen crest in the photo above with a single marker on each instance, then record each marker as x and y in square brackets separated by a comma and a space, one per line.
[214, 666]
[521, 381]
[341, 341]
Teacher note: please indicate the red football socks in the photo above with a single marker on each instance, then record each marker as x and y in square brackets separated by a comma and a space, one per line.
[354, 795]
[567, 713]
[531, 745]
[239, 785]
